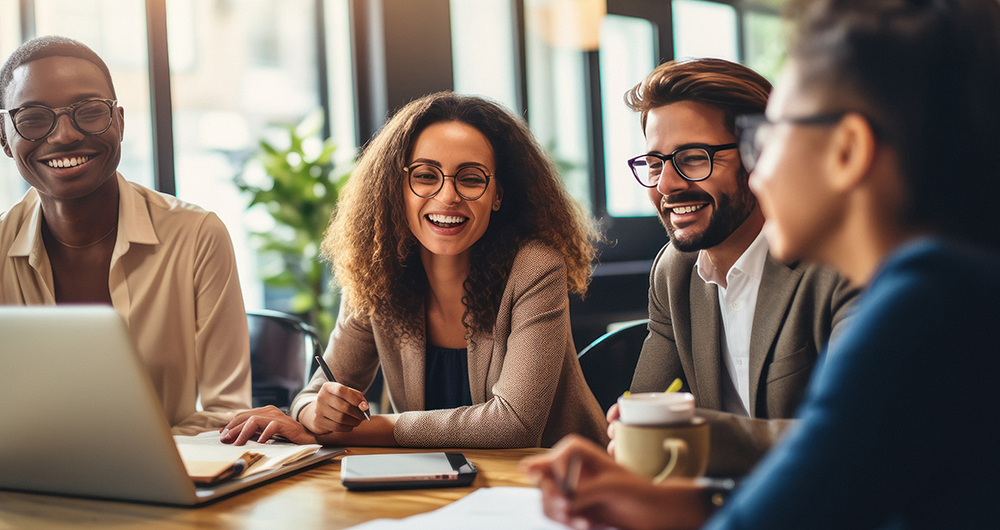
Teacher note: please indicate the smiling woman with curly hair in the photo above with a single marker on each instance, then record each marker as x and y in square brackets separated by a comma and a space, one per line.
[455, 244]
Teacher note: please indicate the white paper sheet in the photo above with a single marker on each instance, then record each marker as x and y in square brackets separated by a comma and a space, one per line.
[501, 508]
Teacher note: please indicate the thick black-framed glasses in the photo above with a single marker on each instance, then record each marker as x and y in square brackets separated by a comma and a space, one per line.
[35, 122]
[693, 163]
[427, 180]
[754, 131]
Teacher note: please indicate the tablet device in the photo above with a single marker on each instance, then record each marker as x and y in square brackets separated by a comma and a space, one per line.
[410, 470]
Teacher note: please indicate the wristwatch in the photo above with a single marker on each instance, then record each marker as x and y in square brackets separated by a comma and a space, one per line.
[716, 491]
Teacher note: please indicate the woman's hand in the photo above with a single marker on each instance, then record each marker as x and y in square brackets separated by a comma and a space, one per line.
[608, 494]
[337, 408]
[267, 421]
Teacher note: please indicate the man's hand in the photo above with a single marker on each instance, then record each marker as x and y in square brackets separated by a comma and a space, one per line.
[613, 415]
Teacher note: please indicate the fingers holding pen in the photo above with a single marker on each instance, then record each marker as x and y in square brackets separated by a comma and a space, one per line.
[337, 408]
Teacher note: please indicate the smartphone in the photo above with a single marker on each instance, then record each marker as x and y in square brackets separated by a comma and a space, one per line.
[406, 471]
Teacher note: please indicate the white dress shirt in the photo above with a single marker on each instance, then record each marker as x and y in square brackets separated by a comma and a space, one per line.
[737, 302]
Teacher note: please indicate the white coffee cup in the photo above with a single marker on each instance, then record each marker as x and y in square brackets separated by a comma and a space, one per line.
[656, 408]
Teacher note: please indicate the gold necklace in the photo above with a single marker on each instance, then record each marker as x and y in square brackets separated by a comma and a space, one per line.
[105, 236]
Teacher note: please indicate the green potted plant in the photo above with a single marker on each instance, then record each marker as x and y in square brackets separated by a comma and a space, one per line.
[300, 192]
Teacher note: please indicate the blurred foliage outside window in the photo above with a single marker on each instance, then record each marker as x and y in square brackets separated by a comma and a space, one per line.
[299, 188]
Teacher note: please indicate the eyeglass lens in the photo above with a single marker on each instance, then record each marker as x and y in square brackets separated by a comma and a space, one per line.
[427, 180]
[90, 117]
[692, 164]
[753, 131]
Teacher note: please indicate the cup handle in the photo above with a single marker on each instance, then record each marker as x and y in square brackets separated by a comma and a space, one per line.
[678, 450]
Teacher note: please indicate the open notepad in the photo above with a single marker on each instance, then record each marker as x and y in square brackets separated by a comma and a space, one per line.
[205, 455]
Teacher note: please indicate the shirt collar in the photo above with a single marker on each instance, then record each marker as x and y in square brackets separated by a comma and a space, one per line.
[28, 241]
[750, 263]
[134, 224]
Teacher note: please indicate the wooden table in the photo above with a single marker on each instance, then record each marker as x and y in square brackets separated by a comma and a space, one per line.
[310, 499]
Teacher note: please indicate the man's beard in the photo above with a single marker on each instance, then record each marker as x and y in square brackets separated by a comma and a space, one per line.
[729, 214]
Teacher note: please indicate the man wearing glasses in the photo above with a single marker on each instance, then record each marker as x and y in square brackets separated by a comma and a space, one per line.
[83, 234]
[741, 330]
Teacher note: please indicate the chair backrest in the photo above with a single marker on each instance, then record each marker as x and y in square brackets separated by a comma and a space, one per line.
[281, 350]
[609, 362]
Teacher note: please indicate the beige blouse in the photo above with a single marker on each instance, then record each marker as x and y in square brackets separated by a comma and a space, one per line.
[526, 383]
[173, 280]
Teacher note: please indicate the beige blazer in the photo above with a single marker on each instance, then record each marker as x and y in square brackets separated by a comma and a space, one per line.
[526, 383]
[799, 308]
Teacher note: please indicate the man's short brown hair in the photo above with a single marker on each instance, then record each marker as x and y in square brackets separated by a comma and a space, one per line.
[730, 86]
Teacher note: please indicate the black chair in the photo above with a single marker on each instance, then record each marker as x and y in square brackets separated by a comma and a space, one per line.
[281, 350]
[609, 362]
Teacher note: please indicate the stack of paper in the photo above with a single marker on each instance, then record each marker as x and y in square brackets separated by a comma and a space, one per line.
[207, 447]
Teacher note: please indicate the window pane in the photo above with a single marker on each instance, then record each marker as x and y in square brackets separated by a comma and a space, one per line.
[704, 29]
[627, 56]
[765, 49]
[237, 70]
[556, 73]
[12, 186]
[340, 82]
[116, 30]
[482, 47]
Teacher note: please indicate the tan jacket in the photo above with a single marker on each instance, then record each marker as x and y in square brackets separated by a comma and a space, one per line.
[799, 308]
[527, 386]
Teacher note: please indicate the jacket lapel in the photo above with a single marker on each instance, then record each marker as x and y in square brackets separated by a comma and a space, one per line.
[480, 355]
[706, 326]
[777, 286]
[413, 352]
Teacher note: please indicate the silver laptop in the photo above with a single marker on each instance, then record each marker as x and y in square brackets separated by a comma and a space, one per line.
[80, 417]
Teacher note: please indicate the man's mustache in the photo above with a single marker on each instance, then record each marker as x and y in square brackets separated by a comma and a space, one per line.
[687, 197]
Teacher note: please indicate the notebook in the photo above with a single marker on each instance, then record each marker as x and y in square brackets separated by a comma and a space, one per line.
[80, 417]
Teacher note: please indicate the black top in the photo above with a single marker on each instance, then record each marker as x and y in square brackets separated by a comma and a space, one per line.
[446, 378]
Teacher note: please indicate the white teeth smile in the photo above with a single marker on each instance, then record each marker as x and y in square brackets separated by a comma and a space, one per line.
[687, 209]
[67, 162]
[446, 221]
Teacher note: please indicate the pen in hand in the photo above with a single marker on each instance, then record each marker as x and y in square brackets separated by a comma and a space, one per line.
[572, 478]
[329, 377]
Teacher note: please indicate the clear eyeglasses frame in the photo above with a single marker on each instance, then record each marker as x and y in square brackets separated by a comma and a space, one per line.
[427, 180]
[754, 130]
[693, 163]
[35, 122]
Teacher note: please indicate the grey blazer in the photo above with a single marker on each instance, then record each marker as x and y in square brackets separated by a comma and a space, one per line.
[799, 308]
[526, 383]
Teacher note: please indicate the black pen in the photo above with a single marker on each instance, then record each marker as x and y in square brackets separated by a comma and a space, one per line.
[329, 377]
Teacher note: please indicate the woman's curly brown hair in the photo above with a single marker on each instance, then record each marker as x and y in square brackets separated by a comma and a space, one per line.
[374, 254]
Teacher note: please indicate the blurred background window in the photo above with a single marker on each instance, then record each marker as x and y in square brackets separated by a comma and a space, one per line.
[12, 186]
[242, 71]
[236, 70]
[482, 44]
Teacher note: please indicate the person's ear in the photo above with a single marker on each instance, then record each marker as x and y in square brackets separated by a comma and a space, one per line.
[851, 152]
[3, 142]
[120, 114]
[498, 199]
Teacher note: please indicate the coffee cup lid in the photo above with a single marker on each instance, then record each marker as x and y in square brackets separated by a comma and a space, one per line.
[656, 408]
